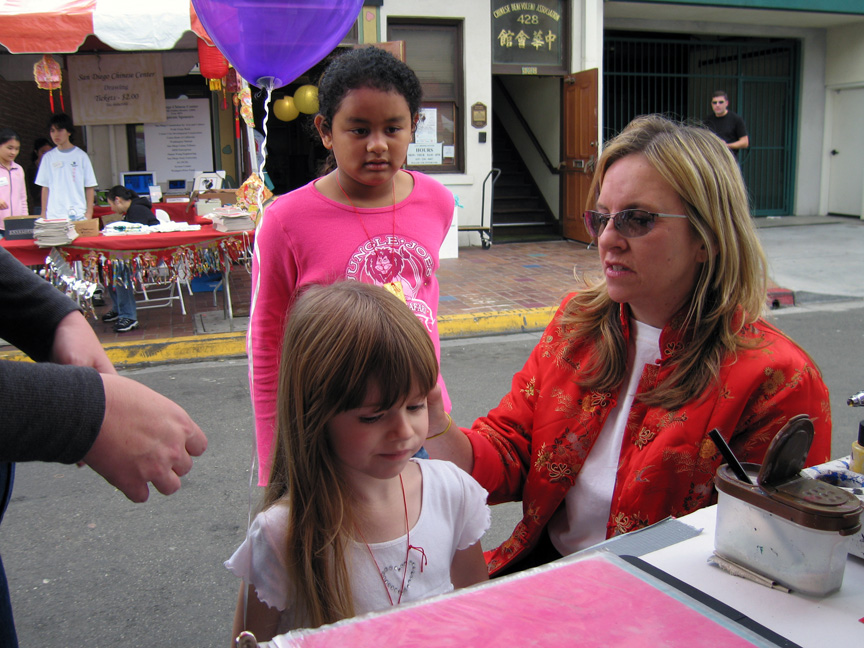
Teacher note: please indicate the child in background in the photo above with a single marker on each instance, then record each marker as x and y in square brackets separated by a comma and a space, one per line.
[134, 209]
[13, 184]
[351, 523]
[66, 175]
[41, 146]
[367, 220]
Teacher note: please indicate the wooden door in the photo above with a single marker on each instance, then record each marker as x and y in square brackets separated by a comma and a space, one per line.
[579, 149]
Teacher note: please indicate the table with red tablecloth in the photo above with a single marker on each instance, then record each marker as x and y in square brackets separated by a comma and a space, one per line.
[187, 253]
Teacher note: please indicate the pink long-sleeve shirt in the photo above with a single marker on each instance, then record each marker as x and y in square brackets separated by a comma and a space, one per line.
[305, 238]
[13, 191]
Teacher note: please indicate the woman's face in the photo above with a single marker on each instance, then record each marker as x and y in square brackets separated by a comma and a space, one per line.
[656, 273]
[9, 151]
[119, 206]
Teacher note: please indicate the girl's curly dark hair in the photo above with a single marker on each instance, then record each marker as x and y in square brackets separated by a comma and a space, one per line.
[367, 67]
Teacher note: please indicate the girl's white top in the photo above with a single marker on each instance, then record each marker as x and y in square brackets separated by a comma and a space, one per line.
[453, 516]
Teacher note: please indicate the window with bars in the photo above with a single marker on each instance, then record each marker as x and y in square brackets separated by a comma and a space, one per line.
[675, 76]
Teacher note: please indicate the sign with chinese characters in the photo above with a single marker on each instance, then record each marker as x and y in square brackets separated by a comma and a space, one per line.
[529, 37]
[116, 88]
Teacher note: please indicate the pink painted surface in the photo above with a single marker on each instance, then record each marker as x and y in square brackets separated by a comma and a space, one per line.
[593, 602]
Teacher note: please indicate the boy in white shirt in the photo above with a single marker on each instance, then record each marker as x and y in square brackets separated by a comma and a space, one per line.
[66, 175]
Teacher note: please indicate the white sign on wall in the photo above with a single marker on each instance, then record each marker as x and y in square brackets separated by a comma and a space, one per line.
[116, 88]
[182, 144]
[425, 154]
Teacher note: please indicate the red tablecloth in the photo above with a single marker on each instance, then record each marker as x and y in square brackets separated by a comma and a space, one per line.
[26, 251]
[195, 247]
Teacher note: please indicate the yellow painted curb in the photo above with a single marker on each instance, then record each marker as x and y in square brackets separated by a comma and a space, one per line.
[510, 321]
[227, 345]
[190, 348]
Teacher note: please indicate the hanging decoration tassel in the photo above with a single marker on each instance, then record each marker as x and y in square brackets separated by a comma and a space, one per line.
[236, 103]
[49, 76]
[233, 85]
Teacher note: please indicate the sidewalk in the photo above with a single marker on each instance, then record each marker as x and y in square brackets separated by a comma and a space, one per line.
[507, 288]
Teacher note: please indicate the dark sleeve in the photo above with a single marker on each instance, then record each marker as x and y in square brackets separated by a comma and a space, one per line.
[30, 308]
[51, 412]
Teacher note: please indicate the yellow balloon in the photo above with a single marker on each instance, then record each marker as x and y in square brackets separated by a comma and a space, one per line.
[306, 99]
[285, 109]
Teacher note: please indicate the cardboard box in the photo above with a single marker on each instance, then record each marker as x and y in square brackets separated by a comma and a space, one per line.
[88, 227]
[110, 217]
[19, 227]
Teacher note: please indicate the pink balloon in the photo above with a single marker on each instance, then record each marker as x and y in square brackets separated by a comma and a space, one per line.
[272, 42]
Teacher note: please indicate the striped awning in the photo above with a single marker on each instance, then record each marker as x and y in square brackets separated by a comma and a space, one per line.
[61, 26]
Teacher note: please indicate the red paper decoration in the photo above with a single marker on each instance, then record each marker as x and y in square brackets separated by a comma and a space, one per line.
[49, 77]
[213, 66]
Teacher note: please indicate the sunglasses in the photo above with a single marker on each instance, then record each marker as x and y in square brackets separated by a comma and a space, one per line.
[629, 223]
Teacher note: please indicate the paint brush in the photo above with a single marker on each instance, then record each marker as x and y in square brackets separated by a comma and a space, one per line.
[731, 459]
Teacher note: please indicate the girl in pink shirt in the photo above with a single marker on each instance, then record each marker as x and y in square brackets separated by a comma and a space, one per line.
[13, 186]
[367, 219]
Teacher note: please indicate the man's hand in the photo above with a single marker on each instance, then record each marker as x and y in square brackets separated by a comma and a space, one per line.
[145, 437]
[75, 343]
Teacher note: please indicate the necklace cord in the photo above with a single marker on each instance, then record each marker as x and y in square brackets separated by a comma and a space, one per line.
[408, 549]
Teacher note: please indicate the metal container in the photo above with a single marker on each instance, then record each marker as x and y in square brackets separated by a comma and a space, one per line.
[788, 527]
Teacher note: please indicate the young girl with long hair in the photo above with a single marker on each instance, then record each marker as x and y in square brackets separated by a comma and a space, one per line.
[368, 219]
[13, 185]
[350, 522]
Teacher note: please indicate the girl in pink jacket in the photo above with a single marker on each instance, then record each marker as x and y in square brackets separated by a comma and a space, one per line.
[13, 186]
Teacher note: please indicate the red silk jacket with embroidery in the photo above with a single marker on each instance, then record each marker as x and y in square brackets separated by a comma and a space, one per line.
[533, 444]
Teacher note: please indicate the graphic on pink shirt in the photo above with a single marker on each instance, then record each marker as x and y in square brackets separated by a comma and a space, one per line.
[395, 258]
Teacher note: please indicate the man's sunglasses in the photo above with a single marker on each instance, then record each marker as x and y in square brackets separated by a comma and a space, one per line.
[630, 223]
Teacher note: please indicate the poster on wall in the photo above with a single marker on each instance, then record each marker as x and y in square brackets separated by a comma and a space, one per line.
[116, 88]
[181, 144]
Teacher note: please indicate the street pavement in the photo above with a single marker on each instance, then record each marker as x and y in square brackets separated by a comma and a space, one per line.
[87, 567]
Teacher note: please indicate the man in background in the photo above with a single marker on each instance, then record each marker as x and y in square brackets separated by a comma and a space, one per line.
[66, 175]
[726, 124]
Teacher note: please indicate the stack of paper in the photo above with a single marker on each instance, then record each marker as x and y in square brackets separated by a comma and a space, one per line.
[48, 232]
[231, 219]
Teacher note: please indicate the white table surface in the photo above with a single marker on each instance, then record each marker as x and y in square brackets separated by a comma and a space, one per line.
[811, 622]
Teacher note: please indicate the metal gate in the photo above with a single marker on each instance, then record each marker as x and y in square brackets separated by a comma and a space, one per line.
[675, 76]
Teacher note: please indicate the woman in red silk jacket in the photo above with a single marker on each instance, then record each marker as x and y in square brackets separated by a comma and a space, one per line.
[605, 429]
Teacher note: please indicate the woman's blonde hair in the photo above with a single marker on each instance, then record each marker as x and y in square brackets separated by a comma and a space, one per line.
[339, 339]
[730, 290]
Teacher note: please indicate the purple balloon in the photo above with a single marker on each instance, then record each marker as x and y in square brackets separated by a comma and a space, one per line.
[272, 42]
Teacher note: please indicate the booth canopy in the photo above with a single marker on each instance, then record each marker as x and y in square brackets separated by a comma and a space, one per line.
[61, 26]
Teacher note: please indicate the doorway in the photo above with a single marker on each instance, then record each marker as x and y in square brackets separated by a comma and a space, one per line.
[846, 160]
